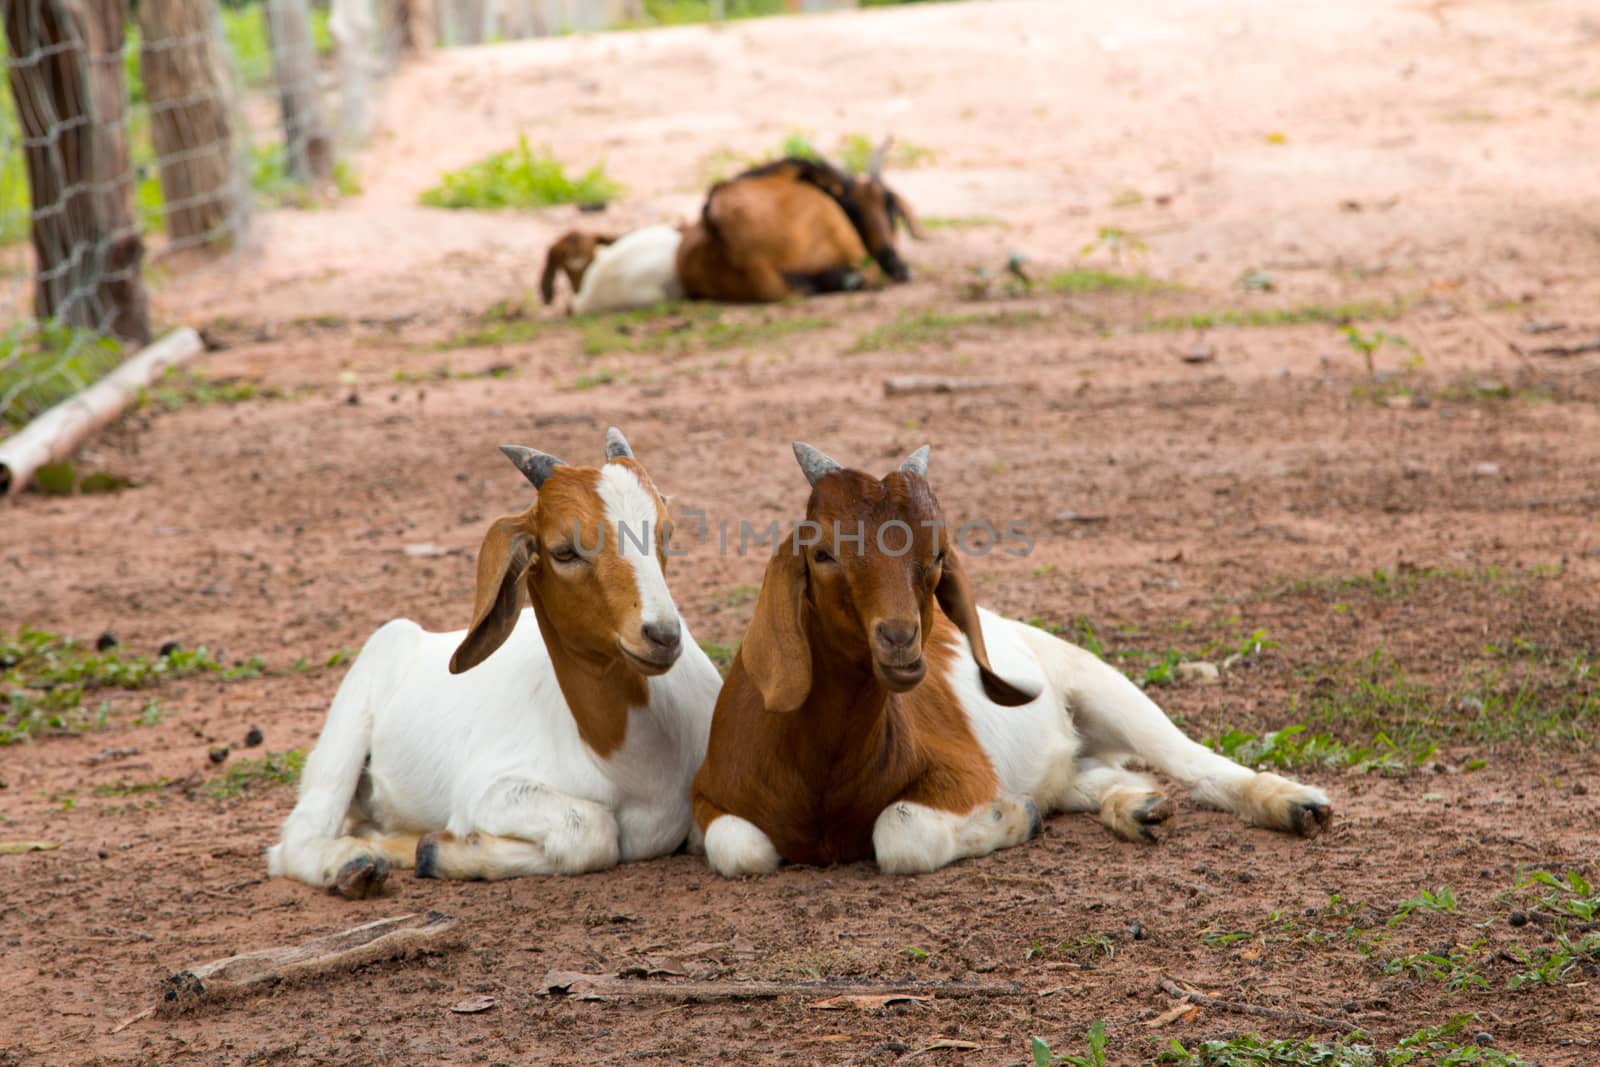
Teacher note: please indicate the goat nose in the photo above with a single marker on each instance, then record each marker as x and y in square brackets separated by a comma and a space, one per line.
[663, 635]
[897, 634]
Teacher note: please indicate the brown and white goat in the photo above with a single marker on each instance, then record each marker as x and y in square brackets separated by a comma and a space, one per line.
[873, 711]
[792, 227]
[571, 255]
[549, 740]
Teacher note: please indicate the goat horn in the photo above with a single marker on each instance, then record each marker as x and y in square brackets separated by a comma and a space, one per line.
[917, 462]
[617, 445]
[534, 465]
[876, 160]
[815, 464]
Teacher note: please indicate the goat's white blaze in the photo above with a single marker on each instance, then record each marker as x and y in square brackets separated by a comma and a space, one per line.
[631, 511]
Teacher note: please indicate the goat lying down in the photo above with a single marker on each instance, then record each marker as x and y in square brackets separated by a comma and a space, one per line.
[793, 227]
[569, 742]
[873, 712]
[610, 273]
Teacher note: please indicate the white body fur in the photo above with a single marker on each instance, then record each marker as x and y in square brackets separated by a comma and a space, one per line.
[1063, 751]
[494, 750]
[637, 270]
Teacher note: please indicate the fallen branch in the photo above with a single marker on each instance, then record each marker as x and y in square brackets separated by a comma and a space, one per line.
[1301, 1018]
[1576, 349]
[1571, 926]
[604, 986]
[911, 384]
[383, 939]
[58, 432]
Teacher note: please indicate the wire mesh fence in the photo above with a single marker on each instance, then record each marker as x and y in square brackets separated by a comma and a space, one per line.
[140, 134]
[132, 136]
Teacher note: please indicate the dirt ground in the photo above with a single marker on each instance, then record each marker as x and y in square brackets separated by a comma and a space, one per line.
[1421, 546]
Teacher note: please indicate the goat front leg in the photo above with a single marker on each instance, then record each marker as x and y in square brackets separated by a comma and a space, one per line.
[911, 837]
[523, 828]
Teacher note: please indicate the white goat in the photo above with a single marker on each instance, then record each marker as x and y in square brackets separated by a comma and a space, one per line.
[569, 749]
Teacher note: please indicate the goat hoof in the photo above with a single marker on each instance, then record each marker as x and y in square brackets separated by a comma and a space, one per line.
[361, 877]
[1035, 823]
[428, 855]
[1309, 820]
[1155, 811]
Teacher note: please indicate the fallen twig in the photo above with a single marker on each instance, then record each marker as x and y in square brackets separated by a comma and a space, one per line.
[911, 384]
[383, 939]
[130, 1020]
[604, 986]
[1173, 989]
[1576, 349]
[1570, 925]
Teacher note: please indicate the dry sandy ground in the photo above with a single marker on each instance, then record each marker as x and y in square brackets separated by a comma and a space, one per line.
[1435, 161]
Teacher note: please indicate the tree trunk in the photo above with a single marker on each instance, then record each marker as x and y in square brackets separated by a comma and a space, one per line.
[67, 79]
[353, 31]
[294, 64]
[187, 81]
[408, 27]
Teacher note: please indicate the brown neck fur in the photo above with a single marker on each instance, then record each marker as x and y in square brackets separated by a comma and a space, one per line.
[599, 689]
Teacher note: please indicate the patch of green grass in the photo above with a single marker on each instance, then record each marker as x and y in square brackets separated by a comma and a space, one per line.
[1458, 968]
[451, 374]
[1471, 115]
[275, 768]
[682, 328]
[721, 655]
[45, 679]
[1084, 280]
[597, 378]
[960, 222]
[244, 30]
[132, 789]
[1294, 748]
[1442, 899]
[1148, 667]
[1298, 315]
[183, 388]
[517, 178]
[914, 328]
[1123, 198]
[1095, 1056]
[16, 206]
[1437, 1046]
[42, 364]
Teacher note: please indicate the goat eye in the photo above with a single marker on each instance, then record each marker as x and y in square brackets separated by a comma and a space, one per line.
[819, 556]
[564, 554]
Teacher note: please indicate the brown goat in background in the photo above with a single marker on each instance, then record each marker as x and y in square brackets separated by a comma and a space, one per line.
[571, 255]
[794, 226]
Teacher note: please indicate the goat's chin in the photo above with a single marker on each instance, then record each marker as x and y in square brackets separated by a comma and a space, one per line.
[900, 679]
[649, 666]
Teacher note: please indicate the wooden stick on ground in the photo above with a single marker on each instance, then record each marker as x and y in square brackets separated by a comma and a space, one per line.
[1302, 1018]
[603, 986]
[59, 431]
[383, 939]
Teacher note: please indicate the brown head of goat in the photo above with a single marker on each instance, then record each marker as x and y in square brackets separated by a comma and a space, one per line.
[571, 255]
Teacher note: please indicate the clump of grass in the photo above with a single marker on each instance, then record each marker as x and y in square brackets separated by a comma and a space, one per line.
[275, 768]
[451, 374]
[1293, 747]
[1095, 1040]
[1298, 315]
[1430, 1047]
[46, 678]
[1098, 281]
[180, 389]
[680, 328]
[960, 222]
[42, 364]
[912, 329]
[517, 178]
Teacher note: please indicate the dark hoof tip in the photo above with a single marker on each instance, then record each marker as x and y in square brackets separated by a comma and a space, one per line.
[1309, 820]
[362, 877]
[1151, 815]
[1035, 823]
[428, 856]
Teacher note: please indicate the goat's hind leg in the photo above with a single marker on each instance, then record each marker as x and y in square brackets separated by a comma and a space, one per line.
[520, 828]
[1116, 720]
[1127, 802]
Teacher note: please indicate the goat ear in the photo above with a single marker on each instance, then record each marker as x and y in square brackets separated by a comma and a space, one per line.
[775, 651]
[503, 560]
[547, 280]
[908, 217]
[955, 597]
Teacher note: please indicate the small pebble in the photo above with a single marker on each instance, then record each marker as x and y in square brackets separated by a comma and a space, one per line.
[103, 854]
[1198, 672]
[218, 753]
[254, 737]
[1136, 930]
[107, 640]
[1517, 918]
[1482, 1040]
[168, 648]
